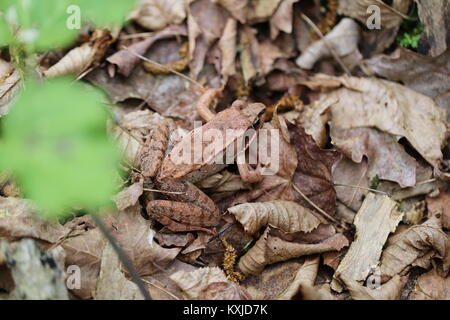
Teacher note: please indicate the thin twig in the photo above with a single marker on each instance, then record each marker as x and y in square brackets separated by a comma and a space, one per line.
[362, 188]
[330, 47]
[394, 10]
[161, 288]
[165, 68]
[123, 257]
[318, 208]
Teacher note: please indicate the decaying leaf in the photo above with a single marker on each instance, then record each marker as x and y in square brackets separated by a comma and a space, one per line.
[431, 286]
[387, 158]
[285, 215]
[157, 14]
[129, 196]
[343, 40]
[351, 182]
[85, 251]
[390, 16]
[436, 18]
[271, 249]
[412, 244]
[390, 107]
[132, 232]
[303, 286]
[126, 59]
[391, 290]
[427, 75]
[112, 283]
[440, 204]
[18, 220]
[313, 173]
[261, 10]
[9, 84]
[75, 62]
[282, 19]
[205, 283]
[228, 48]
[80, 58]
[374, 221]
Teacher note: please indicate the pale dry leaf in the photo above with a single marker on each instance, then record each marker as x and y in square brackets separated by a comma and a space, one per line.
[440, 203]
[237, 8]
[387, 158]
[374, 221]
[206, 24]
[261, 10]
[391, 290]
[319, 292]
[192, 283]
[358, 9]
[157, 14]
[112, 283]
[343, 40]
[74, 62]
[282, 19]
[285, 215]
[133, 233]
[129, 196]
[274, 280]
[431, 286]
[223, 291]
[392, 108]
[314, 119]
[306, 275]
[18, 219]
[435, 16]
[271, 249]
[427, 75]
[351, 182]
[228, 49]
[85, 251]
[408, 246]
[250, 54]
[9, 85]
[269, 53]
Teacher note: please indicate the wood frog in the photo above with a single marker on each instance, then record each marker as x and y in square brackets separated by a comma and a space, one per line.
[187, 207]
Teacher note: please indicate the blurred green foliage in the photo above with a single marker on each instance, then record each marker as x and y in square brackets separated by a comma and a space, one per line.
[42, 24]
[54, 140]
[411, 39]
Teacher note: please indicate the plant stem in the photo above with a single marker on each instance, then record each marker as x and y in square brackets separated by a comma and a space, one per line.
[123, 257]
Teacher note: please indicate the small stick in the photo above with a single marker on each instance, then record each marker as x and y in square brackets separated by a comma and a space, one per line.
[123, 257]
[317, 30]
[394, 10]
[317, 208]
[362, 188]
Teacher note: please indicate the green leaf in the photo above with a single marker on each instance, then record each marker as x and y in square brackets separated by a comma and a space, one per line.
[54, 141]
[44, 23]
[106, 12]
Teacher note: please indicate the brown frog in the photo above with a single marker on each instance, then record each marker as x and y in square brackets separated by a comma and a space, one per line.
[188, 208]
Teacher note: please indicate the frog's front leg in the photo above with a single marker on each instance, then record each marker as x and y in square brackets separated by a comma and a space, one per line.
[154, 149]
